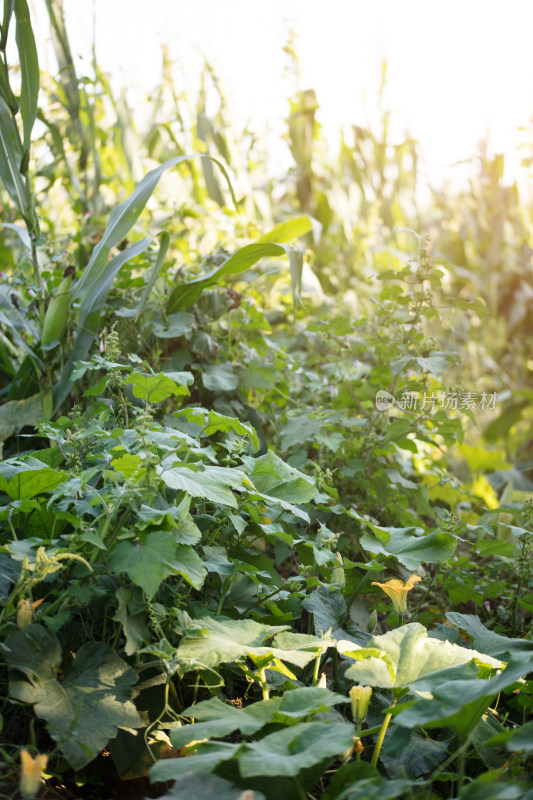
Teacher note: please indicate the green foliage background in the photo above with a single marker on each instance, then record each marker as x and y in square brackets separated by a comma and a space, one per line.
[199, 497]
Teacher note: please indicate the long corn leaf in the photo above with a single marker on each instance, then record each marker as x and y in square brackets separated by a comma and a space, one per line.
[90, 315]
[272, 243]
[154, 274]
[292, 229]
[9, 5]
[124, 216]
[29, 72]
[186, 294]
[10, 159]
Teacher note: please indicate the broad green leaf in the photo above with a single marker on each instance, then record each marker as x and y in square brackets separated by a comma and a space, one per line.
[521, 739]
[9, 573]
[206, 787]
[357, 780]
[407, 545]
[174, 326]
[28, 483]
[309, 700]
[148, 563]
[499, 428]
[328, 609]
[299, 747]
[29, 70]
[487, 641]
[91, 701]
[134, 625]
[402, 656]
[276, 501]
[407, 752]
[155, 388]
[218, 422]
[458, 704]
[217, 719]
[488, 787]
[272, 476]
[219, 378]
[132, 466]
[207, 757]
[223, 640]
[206, 484]
[16, 414]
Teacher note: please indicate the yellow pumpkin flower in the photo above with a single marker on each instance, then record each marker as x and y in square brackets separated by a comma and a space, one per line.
[397, 591]
[31, 771]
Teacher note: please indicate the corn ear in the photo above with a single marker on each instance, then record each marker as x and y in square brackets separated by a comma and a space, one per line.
[56, 317]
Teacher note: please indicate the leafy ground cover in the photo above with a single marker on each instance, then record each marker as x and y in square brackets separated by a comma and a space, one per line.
[254, 544]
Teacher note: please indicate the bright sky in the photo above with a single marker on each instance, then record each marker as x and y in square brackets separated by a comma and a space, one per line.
[458, 69]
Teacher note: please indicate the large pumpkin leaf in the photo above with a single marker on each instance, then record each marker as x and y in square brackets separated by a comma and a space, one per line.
[217, 719]
[206, 787]
[292, 749]
[400, 657]
[223, 640]
[85, 709]
[489, 642]
[458, 703]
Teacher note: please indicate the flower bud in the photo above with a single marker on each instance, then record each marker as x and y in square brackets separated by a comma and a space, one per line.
[360, 698]
[322, 683]
[337, 575]
[30, 773]
[25, 611]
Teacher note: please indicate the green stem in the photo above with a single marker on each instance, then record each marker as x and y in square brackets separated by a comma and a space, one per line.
[335, 664]
[383, 731]
[173, 693]
[316, 669]
[264, 687]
